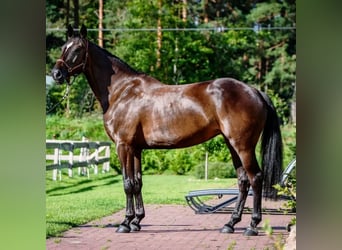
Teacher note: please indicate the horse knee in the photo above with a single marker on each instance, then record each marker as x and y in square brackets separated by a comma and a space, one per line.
[132, 186]
[137, 184]
[128, 186]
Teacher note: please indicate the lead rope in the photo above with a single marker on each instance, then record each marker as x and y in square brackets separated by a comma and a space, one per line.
[63, 98]
[69, 84]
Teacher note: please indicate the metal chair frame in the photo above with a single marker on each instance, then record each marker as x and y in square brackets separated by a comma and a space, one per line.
[200, 207]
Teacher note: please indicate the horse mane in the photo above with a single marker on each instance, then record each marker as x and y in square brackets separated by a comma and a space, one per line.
[117, 60]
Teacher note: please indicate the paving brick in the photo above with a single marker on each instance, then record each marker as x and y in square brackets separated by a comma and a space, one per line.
[174, 227]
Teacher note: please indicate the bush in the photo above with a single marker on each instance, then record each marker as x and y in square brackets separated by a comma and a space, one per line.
[62, 128]
[182, 161]
[176, 161]
[154, 161]
[215, 170]
[289, 140]
[289, 190]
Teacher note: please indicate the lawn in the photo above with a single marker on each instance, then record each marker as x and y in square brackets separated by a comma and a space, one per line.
[77, 200]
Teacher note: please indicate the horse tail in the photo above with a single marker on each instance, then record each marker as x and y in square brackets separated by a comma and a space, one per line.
[271, 150]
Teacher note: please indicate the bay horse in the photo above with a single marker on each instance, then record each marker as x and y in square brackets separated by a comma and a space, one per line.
[140, 112]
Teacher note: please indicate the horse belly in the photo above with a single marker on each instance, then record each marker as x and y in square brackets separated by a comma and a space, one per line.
[183, 132]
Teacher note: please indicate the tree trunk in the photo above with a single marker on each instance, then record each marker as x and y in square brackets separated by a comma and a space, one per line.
[184, 14]
[67, 12]
[293, 106]
[205, 7]
[101, 23]
[76, 15]
[159, 34]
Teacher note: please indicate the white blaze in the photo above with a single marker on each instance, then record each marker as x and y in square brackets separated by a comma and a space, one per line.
[73, 60]
[68, 46]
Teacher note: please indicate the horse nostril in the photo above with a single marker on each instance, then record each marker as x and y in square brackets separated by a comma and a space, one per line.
[56, 74]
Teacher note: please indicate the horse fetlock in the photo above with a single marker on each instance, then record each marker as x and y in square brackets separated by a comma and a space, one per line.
[134, 226]
[135, 223]
[235, 218]
[128, 219]
[256, 218]
[229, 227]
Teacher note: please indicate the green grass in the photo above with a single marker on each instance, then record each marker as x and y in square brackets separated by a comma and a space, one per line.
[75, 201]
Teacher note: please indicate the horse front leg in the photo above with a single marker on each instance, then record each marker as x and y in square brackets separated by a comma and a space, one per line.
[126, 160]
[139, 204]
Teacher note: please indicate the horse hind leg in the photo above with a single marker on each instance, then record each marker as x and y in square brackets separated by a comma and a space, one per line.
[243, 184]
[255, 178]
[256, 216]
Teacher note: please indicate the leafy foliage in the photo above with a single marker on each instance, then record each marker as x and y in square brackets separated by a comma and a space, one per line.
[264, 56]
[215, 170]
[177, 161]
[289, 190]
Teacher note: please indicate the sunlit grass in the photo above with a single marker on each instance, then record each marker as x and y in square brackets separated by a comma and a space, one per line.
[77, 200]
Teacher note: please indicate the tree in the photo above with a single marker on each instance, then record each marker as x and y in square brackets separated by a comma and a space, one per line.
[100, 23]
[59, 14]
[262, 54]
[274, 61]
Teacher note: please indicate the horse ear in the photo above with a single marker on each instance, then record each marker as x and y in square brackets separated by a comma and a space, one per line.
[70, 31]
[83, 31]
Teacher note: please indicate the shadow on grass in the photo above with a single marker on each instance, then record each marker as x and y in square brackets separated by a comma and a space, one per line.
[84, 185]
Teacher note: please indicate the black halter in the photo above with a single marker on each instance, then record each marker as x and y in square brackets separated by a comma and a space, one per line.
[82, 64]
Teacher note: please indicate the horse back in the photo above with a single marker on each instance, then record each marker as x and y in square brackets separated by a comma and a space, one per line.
[155, 115]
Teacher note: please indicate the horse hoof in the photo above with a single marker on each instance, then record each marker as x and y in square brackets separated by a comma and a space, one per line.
[135, 227]
[123, 229]
[250, 232]
[227, 229]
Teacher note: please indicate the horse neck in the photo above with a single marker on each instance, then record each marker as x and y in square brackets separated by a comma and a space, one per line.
[107, 75]
[102, 71]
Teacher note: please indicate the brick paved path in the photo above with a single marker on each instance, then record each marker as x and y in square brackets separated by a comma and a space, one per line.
[173, 227]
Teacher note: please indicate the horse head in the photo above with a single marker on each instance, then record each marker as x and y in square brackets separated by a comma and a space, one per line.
[74, 56]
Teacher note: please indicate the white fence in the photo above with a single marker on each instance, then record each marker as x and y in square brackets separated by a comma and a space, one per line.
[82, 154]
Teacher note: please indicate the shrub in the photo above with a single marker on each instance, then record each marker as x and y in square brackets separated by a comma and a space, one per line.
[154, 161]
[181, 161]
[215, 170]
[176, 161]
[289, 190]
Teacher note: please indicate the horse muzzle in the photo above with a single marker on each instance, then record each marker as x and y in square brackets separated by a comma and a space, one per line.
[59, 76]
